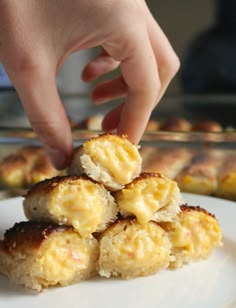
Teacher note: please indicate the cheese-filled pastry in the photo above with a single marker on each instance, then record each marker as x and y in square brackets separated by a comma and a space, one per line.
[193, 235]
[39, 255]
[227, 178]
[128, 249]
[201, 175]
[25, 167]
[151, 196]
[15, 168]
[165, 161]
[71, 200]
[108, 159]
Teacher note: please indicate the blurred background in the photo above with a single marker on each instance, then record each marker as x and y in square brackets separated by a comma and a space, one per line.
[203, 34]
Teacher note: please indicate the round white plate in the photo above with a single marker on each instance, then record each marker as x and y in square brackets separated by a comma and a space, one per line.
[209, 283]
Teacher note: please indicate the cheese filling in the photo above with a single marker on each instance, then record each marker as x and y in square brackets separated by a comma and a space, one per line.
[140, 246]
[80, 205]
[147, 196]
[197, 233]
[116, 155]
[64, 255]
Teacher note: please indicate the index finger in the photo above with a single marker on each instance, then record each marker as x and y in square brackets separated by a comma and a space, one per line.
[140, 73]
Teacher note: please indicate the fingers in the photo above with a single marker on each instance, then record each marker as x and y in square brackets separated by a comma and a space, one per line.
[168, 62]
[38, 93]
[140, 73]
[99, 66]
[112, 119]
[147, 72]
[109, 90]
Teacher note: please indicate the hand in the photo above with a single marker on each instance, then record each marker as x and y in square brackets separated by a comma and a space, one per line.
[37, 36]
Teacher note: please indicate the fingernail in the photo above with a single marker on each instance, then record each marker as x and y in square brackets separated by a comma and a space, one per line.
[59, 159]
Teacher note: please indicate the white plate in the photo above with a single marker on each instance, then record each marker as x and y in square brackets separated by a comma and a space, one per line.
[210, 283]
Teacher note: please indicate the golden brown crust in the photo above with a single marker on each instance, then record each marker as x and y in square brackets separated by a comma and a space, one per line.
[187, 208]
[29, 234]
[143, 176]
[49, 185]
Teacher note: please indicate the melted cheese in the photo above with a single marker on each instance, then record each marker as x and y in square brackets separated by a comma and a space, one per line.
[197, 233]
[146, 196]
[116, 155]
[79, 204]
[64, 255]
[140, 246]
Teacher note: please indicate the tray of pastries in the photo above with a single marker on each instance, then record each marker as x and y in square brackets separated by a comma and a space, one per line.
[199, 155]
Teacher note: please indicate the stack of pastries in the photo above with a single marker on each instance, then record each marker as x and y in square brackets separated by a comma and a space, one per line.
[105, 217]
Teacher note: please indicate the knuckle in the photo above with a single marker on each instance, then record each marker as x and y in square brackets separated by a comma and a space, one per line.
[175, 64]
[24, 66]
[172, 65]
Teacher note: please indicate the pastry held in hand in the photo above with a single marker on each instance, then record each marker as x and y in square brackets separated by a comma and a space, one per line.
[151, 196]
[71, 200]
[108, 159]
[193, 235]
[39, 255]
[129, 250]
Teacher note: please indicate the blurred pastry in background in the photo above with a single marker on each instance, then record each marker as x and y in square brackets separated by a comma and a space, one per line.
[201, 175]
[207, 126]
[169, 162]
[152, 125]
[25, 167]
[176, 124]
[227, 178]
[92, 122]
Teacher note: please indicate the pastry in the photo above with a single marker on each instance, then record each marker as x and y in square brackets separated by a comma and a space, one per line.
[129, 250]
[151, 196]
[108, 159]
[193, 235]
[71, 200]
[39, 255]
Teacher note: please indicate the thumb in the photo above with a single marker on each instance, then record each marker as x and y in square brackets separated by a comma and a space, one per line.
[42, 104]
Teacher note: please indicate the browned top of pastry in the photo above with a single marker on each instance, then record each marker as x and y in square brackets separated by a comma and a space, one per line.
[152, 125]
[207, 126]
[15, 159]
[145, 175]
[29, 234]
[48, 185]
[189, 208]
[176, 124]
